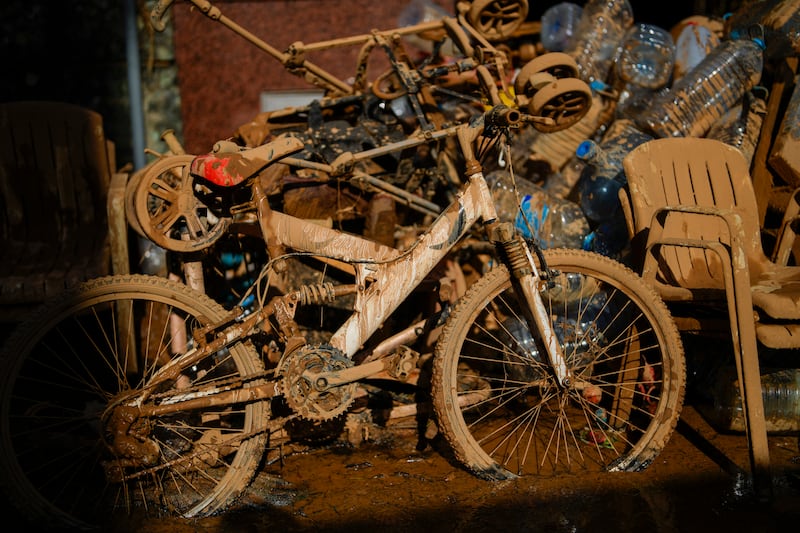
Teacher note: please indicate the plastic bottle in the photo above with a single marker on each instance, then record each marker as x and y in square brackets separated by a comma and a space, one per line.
[780, 390]
[609, 238]
[633, 100]
[554, 222]
[699, 99]
[603, 176]
[779, 21]
[693, 43]
[646, 56]
[419, 12]
[740, 127]
[559, 26]
[600, 31]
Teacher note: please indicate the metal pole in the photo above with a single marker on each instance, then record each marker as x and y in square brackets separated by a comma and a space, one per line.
[134, 85]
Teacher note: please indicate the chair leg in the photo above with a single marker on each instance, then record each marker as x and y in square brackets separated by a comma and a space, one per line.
[745, 344]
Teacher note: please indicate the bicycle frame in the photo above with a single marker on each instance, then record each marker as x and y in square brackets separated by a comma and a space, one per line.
[384, 276]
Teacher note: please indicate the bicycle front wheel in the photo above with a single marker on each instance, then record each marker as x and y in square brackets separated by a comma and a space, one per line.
[497, 400]
[75, 451]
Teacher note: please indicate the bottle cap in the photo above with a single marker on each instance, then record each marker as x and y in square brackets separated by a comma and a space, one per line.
[586, 150]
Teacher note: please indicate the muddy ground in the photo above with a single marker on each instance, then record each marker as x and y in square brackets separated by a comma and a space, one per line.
[387, 484]
[697, 484]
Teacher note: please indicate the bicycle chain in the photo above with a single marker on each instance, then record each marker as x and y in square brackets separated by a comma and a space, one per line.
[265, 374]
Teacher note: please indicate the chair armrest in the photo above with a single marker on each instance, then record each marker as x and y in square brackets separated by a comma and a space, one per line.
[787, 233]
[627, 211]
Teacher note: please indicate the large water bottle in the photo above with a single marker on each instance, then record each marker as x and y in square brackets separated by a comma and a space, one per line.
[779, 20]
[699, 99]
[780, 391]
[646, 56]
[559, 26]
[603, 176]
[554, 222]
[741, 126]
[694, 41]
[600, 31]
[633, 100]
[609, 238]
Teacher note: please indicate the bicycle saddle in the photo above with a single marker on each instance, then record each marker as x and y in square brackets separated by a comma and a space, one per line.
[228, 169]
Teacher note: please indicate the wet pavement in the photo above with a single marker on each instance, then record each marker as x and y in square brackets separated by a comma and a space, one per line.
[696, 484]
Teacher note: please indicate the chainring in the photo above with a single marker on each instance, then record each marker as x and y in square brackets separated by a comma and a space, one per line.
[302, 393]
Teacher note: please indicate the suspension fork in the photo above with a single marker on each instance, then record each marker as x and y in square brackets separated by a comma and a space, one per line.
[528, 282]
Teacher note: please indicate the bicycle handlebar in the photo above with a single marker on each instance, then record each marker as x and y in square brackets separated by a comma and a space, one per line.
[158, 12]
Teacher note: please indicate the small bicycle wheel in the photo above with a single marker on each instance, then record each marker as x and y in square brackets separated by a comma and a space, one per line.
[565, 101]
[497, 400]
[75, 453]
[130, 202]
[169, 213]
[497, 19]
[558, 64]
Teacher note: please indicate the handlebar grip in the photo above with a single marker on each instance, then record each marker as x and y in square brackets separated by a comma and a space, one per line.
[158, 12]
[502, 116]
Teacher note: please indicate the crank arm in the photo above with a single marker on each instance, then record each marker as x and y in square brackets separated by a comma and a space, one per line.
[398, 366]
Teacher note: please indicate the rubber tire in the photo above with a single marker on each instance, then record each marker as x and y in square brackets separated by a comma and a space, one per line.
[26, 389]
[486, 461]
[492, 30]
[566, 101]
[161, 230]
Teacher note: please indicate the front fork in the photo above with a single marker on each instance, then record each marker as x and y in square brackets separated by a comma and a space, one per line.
[527, 281]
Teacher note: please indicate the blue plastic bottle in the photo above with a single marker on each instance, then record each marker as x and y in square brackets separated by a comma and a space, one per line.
[603, 176]
[554, 222]
[559, 26]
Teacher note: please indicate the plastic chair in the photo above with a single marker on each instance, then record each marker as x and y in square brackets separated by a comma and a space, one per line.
[62, 203]
[692, 214]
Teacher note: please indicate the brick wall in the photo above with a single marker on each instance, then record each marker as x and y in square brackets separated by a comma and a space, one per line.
[221, 75]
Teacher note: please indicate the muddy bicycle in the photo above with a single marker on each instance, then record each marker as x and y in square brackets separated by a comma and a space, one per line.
[137, 392]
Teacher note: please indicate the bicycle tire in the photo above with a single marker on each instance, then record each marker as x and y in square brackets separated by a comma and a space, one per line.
[64, 366]
[497, 402]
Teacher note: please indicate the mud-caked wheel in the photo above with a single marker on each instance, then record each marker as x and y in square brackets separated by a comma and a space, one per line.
[169, 213]
[78, 449]
[497, 20]
[542, 70]
[564, 102]
[498, 401]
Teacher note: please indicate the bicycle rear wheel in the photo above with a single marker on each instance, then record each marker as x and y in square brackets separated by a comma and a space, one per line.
[497, 401]
[68, 458]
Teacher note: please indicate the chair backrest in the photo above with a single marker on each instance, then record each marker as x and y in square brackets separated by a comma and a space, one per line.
[55, 169]
[699, 172]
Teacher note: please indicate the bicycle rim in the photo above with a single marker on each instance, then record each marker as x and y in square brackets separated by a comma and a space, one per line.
[69, 364]
[498, 403]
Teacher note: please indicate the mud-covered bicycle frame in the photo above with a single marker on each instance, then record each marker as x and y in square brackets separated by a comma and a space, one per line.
[384, 278]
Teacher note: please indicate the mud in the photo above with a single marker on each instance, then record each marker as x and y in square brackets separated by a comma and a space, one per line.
[388, 484]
